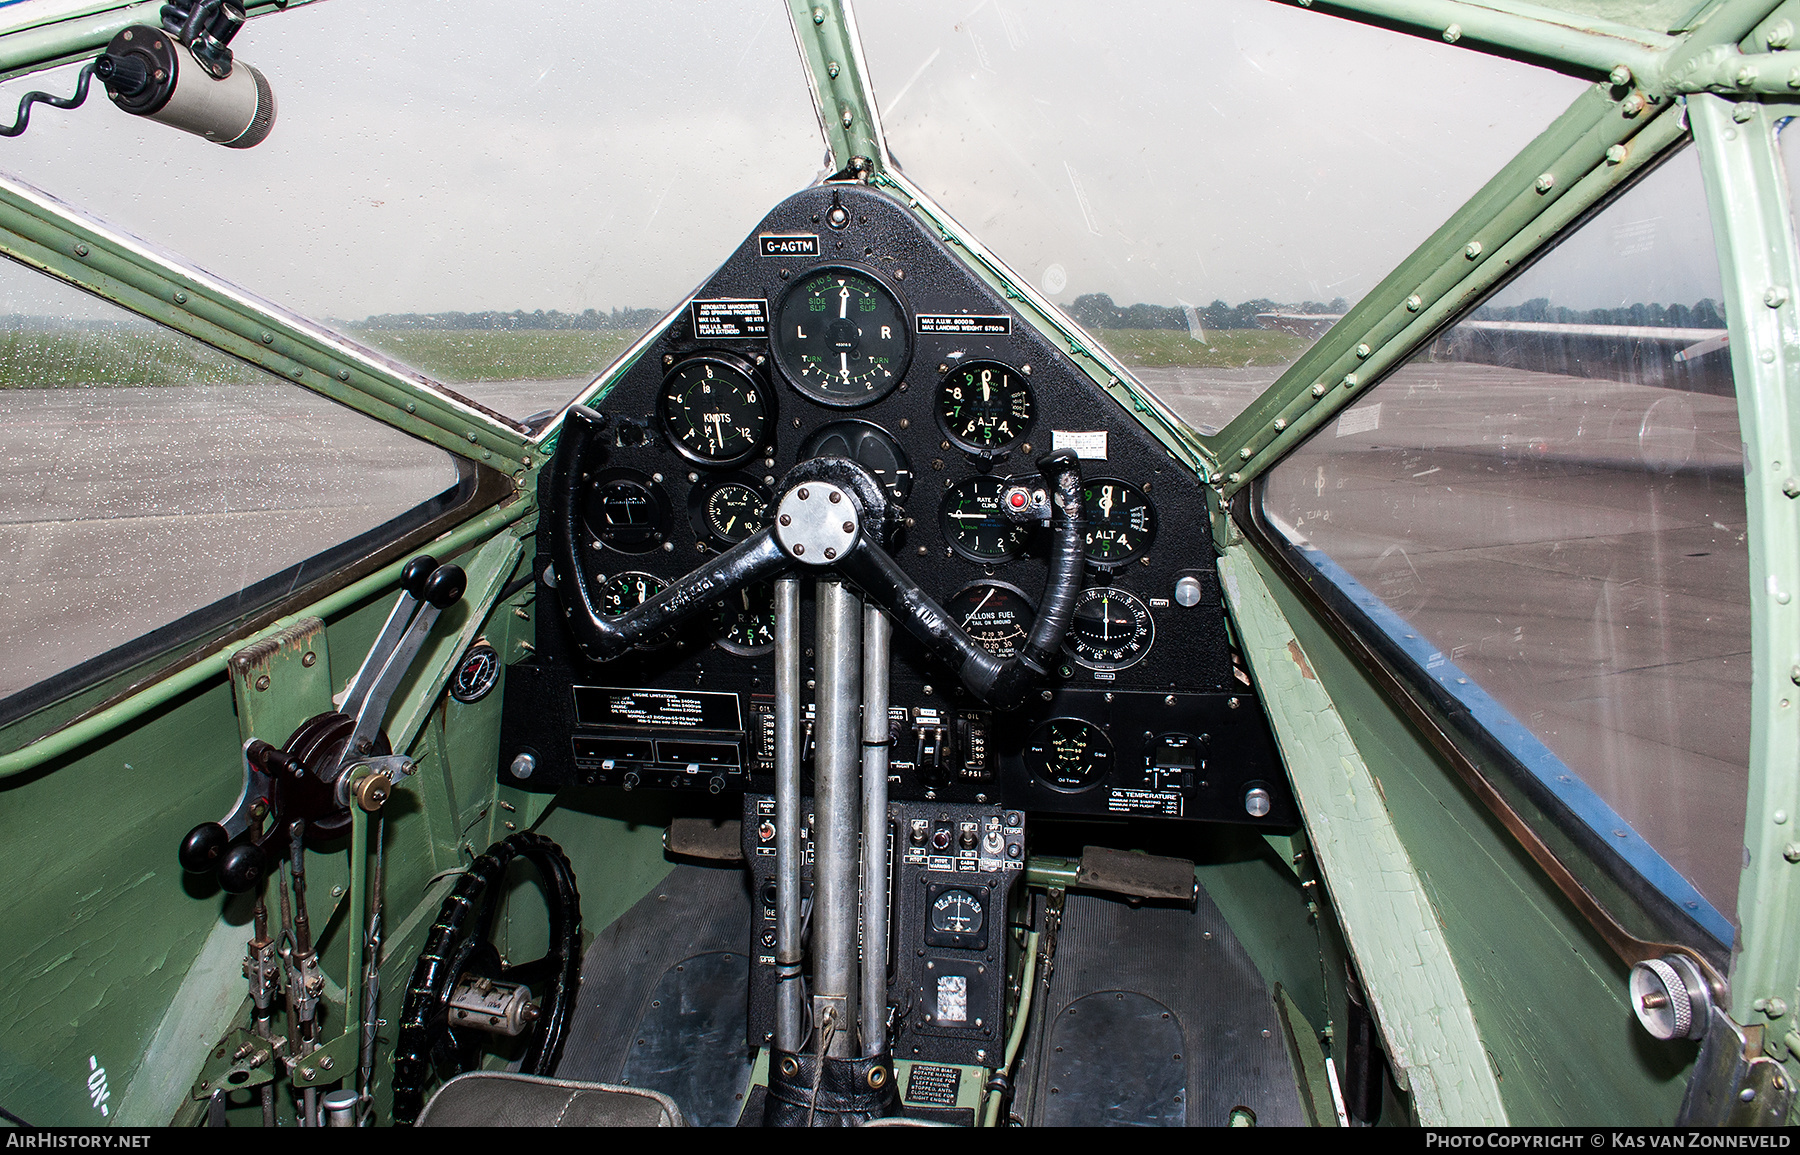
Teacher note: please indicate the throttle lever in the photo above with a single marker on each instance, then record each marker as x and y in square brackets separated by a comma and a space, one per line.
[412, 591]
[443, 589]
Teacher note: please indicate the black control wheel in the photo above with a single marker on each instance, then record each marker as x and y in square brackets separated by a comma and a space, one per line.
[460, 945]
[829, 513]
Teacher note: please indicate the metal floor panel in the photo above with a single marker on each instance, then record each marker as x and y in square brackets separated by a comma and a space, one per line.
[1157, 1017]
[664, 993]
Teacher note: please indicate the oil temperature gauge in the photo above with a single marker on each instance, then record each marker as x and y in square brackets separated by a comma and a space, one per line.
[1069, 754]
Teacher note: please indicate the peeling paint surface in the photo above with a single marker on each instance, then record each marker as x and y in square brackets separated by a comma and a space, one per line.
[1402, 955]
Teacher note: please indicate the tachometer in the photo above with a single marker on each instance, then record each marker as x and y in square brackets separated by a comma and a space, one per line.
[714, 409]
[1121, 521]
[842, 337]
[996, 615]
[1112, 629]
[984, 405]
[973, 525]
[627, 591]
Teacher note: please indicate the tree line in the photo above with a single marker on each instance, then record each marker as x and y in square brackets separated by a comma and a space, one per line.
[1702, 314]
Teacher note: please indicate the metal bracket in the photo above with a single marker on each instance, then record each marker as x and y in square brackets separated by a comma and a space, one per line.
[1734, 1084]
[239, 1061]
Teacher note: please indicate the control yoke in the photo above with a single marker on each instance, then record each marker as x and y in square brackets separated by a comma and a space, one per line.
[332, 761]
[831, 514]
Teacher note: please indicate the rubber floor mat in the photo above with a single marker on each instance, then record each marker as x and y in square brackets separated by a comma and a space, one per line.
[664, 993]
[1158, 1018]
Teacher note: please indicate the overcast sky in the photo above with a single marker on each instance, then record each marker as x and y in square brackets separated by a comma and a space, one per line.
[427, 157]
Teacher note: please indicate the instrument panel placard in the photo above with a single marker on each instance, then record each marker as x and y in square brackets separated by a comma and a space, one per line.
[605, 707]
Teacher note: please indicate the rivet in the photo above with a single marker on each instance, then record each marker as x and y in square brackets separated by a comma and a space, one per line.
[1318, 389]
[1246, 453]
[1351, 380]
[1472, 250]
[1363, 349]
[1615, 154]
[81, 250]
[1621, 76]
[1546, 182]
[836, 497]
[1452, 34]
[1776, 296]
[1768, 356]
[799, 548]
[1747, 1095]
[1780, 817]
[1791, 852]
[180, 298]
[1233, 478]
[1414, 303]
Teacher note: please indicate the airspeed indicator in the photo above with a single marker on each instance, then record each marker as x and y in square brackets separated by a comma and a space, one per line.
[714, 409]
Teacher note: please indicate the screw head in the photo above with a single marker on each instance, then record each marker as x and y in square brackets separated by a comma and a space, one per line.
[1472, 250]
[1621, 76]
[1414, 303]
[1775, 296]
[1616, 154]
[1545, 182]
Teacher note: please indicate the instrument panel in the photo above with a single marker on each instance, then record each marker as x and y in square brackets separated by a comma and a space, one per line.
[870, 341]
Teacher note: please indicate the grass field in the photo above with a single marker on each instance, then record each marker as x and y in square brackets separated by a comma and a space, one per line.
[1224, 348]
[43, 358]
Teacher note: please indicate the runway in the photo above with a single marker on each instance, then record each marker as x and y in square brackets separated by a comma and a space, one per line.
[1575, 545]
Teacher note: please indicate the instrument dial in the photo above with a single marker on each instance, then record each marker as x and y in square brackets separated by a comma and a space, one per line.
[627, 511]
[973, 525]
[726, 510]
[626, 591]
[714, 409]
[1069, 754]
[746, 620]
[1112, 629]
[870, 446]
[996, 615]
[842, 337]
[957, 912]
[984, 405]
[476, 673]
[1121, 521]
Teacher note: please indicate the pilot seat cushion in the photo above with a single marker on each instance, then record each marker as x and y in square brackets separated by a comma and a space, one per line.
[504, 1099]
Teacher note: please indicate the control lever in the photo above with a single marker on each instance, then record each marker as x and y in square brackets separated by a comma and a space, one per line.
[304, 779]
[1117, 872]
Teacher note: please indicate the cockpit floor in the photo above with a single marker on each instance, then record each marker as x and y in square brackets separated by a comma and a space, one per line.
[1157, 1017]
[664, 997]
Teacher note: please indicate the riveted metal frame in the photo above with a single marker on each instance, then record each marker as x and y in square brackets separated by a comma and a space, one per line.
[1746, 187]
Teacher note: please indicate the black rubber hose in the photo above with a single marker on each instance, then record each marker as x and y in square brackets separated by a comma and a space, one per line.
[31, 98]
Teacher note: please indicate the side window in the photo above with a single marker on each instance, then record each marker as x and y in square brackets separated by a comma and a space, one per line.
[147, 479]
[1543, 512]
